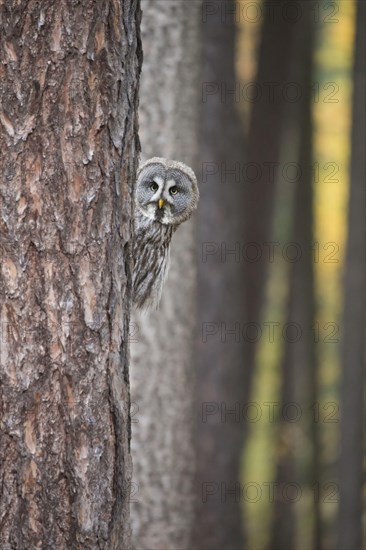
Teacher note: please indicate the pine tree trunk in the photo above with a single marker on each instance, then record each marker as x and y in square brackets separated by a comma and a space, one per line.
[353, 340]
[69, 149]
[161, 342]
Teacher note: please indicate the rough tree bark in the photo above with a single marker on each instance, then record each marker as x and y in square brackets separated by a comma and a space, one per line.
[351, 478]
[161, 341]
[68, 139]
[220, 370]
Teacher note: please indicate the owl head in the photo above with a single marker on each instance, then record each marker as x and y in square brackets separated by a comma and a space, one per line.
[166, 191]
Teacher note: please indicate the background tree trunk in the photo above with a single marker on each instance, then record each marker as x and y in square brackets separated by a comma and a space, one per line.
[353, 340]
[161, 341]
[69, 149]
[221, 368]
[264, 148]
[299, 364]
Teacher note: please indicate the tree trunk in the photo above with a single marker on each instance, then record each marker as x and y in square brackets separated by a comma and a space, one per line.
[353, 341]
[221, 370]
[263, 153]
[161, 342]
[299, 366]
[69, 149]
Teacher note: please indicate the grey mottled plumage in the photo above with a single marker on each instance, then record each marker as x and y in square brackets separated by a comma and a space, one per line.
[166, 195]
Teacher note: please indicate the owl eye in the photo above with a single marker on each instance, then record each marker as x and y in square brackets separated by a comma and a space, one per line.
[154, 186]
[173, 190]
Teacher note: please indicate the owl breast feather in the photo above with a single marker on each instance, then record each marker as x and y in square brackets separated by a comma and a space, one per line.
[150, 260]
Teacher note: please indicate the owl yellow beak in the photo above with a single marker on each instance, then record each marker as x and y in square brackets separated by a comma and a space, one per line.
[160, 203]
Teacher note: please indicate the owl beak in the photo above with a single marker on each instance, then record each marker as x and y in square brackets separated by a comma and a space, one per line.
[160, 203]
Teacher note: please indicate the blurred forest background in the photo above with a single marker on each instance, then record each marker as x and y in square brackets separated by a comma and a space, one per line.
[278, 365]
[307, 451]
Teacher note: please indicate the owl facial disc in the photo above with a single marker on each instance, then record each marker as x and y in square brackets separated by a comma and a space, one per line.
[167, 191]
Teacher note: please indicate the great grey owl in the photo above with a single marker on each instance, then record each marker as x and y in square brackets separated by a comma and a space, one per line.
[166, 195]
